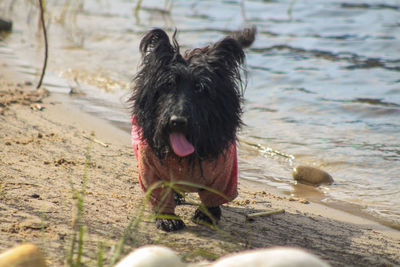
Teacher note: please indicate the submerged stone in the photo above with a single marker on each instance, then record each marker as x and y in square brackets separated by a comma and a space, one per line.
[311, 175]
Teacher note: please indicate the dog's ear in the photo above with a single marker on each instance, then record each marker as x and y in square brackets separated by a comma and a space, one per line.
[227, 55]
[156, 42]
[226, 59]
[245, 37]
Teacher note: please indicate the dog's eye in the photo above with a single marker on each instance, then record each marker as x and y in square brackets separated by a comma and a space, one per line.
[171, 83]
[198, 88]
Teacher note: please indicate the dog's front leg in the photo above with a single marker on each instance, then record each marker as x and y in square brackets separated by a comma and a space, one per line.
[161, 197]
[169, 222]
[164, 207]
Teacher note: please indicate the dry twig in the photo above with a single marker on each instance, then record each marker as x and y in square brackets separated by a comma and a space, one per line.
[95, 140]
[45, 44]
[251, 216]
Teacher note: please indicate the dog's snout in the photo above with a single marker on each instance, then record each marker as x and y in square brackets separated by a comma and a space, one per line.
[177, 123]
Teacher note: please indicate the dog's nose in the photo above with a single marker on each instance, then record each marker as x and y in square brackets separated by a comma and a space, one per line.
[177, 123]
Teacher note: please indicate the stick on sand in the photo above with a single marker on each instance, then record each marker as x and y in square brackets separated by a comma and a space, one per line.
[251, 216]
[95, 140]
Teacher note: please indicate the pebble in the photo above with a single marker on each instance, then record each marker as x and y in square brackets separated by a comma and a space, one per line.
[34, 224]
[311, 175]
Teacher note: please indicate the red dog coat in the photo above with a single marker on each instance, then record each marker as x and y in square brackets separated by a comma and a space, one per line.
[219, 174]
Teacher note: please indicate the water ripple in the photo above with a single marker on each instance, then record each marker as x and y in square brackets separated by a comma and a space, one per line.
[357, 61]
[369, 6]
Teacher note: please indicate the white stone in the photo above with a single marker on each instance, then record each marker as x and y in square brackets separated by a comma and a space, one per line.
[151, 256]
[272, 257]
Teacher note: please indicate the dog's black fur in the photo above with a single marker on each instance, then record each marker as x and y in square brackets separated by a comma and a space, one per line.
[198, 94]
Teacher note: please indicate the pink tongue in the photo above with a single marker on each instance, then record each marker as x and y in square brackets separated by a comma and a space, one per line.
[181, 146]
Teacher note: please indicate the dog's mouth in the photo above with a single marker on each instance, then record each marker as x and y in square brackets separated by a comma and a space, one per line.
[179, 143]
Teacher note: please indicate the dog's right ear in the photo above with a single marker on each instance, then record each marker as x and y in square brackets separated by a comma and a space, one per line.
[156, 42]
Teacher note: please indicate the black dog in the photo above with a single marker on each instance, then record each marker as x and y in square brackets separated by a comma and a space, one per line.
[185, 114]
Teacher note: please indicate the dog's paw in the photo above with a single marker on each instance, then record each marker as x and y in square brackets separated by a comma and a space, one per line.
[179, 198]
[168, 224]
[203, 217]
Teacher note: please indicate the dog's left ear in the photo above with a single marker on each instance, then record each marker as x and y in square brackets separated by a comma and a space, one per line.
[156, 42]
[227, 55]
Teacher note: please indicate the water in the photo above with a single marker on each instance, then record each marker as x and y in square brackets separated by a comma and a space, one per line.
[323, 86]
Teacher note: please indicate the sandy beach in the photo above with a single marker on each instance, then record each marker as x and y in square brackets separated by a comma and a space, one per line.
[43, 149]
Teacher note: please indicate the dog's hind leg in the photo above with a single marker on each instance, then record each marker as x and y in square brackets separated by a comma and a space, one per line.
[207, 215]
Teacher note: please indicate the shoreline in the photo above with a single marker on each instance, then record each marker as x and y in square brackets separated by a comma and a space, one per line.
[37, 174]
[344, 212]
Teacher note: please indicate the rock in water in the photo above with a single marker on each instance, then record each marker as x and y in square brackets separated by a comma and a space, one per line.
[311, 176]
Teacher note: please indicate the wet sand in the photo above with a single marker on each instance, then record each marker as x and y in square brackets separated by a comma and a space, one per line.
[43, 150]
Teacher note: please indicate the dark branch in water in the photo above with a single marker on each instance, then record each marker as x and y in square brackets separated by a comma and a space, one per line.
[45, 44]
[5, 25]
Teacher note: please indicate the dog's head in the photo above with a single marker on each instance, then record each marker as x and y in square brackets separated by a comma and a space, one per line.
[189, 105]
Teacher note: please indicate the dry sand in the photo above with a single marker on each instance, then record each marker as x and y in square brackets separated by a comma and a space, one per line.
[43, 154]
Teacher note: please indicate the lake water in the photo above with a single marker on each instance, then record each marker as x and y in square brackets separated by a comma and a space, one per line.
[323, 81]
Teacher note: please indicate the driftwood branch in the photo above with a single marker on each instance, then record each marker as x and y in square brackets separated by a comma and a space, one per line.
[45, 43]
[252, 216]
[95, 140]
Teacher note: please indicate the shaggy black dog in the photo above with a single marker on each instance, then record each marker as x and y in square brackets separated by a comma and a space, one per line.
[187, 107]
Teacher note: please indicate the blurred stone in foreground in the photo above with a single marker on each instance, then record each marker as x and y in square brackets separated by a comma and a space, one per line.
[25, 255]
